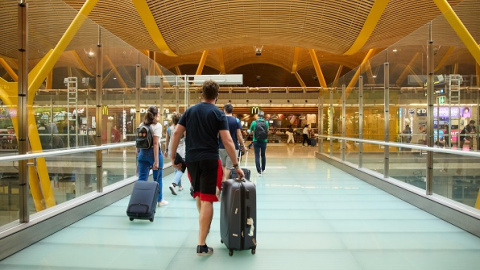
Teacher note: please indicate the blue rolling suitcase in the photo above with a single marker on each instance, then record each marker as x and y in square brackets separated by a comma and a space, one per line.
[143, 201]
[238, 215]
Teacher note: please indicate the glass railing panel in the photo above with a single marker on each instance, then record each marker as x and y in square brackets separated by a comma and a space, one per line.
[457, 178]
[71, 176]
[119, 164]
[9, 192]
[373, 157]
[352, 152]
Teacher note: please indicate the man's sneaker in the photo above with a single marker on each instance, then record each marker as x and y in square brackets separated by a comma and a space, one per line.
[162, 203]
[259, 175]
[180, 188]
[172, 189]
[204, 250]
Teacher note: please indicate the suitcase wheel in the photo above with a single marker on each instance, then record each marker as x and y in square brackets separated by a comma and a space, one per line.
[151, 220]
[253, 251]
[230, 252]
[221, 241]
[131, 219]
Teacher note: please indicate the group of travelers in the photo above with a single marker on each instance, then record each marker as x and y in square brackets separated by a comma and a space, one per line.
[207, 142]
[207, 127]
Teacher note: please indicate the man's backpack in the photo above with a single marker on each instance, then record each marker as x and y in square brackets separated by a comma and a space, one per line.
[144, 137]
[261, 132]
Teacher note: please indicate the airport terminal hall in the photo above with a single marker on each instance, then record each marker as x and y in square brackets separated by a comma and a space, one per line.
[246, 134]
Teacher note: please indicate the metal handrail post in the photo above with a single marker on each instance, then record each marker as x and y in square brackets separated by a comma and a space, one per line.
[360, 121]
[386, 113]
[22, 110]
[430, 97]
[343, 122]
[99, 111]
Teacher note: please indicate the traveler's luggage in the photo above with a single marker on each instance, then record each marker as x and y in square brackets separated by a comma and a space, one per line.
[238, 215]
[313, 141]
[233, 173]
[143, 201]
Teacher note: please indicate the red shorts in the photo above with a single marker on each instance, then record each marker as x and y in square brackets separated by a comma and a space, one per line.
[206, 179]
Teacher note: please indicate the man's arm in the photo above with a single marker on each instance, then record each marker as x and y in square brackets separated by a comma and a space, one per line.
[177, 134]
[167, 141]
[228, 143]
[240, 139]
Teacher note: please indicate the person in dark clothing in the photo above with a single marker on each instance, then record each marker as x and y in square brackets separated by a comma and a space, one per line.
[203, 122]
[235, 129]
[468, 129]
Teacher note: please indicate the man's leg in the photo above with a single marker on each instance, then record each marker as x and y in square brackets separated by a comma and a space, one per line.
[256, 147]
[264, 158]
[205, 219]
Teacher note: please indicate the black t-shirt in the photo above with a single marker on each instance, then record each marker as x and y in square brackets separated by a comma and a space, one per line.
[202, 123]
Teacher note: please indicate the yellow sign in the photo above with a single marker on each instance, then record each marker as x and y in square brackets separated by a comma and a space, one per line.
[254, 110]
[105, 110]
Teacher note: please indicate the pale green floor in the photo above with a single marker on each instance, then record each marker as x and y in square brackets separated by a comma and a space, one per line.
[310, 216]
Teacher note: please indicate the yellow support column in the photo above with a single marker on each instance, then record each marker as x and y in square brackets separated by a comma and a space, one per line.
[9, 70]
[404, 73]
[7, 94]
[318, 69]
[337, 76]
[354, 80]
[119, 77]
[221, 60]
[444, 58]
[202, 63]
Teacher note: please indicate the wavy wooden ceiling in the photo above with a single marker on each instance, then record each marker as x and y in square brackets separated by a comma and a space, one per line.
[190, 27]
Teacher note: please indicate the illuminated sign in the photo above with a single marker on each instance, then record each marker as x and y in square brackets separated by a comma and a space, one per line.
[255, 110]
[105, 110]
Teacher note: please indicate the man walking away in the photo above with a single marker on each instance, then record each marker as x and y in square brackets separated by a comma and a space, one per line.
[235, 128]
[259, 129]
[203, 122]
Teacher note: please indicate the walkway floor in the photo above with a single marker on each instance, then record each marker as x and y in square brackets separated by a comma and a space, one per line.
[310, 216]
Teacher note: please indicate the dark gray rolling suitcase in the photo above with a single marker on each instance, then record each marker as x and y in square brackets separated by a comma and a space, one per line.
[233, 173]
[238, 215]
[143, 201]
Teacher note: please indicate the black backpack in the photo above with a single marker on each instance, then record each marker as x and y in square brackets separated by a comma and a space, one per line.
[261, 133]
[144, 137]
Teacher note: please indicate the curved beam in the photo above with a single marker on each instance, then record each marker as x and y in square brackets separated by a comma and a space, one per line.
[151, 26]
[248, 62]
[221, 60]
[444, 58]
[295, 59]
[80, 62]
[202, 63]
[368, 27]
[9, 70]
[318, 69]
[459, 28]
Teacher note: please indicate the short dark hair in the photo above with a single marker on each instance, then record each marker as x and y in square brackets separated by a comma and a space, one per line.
[210, 90]
[228, 108]
[472, 122]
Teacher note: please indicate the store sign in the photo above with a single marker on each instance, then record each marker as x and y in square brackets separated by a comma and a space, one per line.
[421, 112]
[254, 110]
